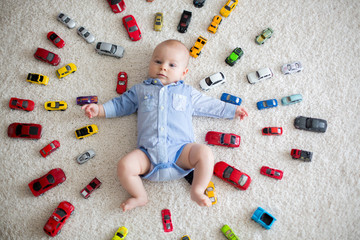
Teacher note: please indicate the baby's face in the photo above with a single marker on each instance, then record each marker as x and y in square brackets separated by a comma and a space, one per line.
[169, 63]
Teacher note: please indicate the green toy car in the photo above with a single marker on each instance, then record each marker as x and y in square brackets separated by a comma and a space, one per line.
[234, 56]
[229, 234]
[265, 35]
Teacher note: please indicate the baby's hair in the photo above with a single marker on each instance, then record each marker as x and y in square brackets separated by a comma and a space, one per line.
[173, 42]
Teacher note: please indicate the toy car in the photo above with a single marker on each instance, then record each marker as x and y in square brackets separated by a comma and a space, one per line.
[228, 232]
[195, 50]
[310, 124]
[47, 56]
[264, 218]
[66, 70]
[63, 18]
[230, 99]
[132, 27]
[213, 80]
[121, 83]
[215, 24]
[265, 35]
[109, 49]
[59, 217]
[223, 139]
[185, 237]
[86, 100]
[166, 218]
[267, 104]
[228, 7]
[306, 156]
[86, 131]
[271, 172]
[296, 98]
[55, 105]
[48, 149]
[21, 104]
[199, 3]
[37, 78]
[92, 186]
[86, 156]
[117, 6]
[234, 56]
[120, 233]
[291, 68]
[158, 21]
[85, 34]
[210, 192]
[262, 74]
[184, 21]
[272, 131]
[232, 175]
[43, 184]
[24, 130]
[56, 40]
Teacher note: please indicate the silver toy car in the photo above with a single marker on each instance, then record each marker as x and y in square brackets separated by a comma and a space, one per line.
[259, 75]
[86, 156]
[213, 80]
[291, 68]
[109, 49]
[85, 34]
[66, 20]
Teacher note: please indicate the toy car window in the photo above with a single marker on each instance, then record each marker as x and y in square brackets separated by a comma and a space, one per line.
[308, 123]
[18, 129]
[266, 219]
[81, 29]
[210, 189]
[25, 104]
[57, 40]
[265, 104]
[208, 81]
[43, 151]
[33, 130]
[268, 171]
[133, 29]
[60, 212]
[52, 145]
[50, 178]
[243, 179]
[61, 15]
[37, 186]
[115, 2]
[113, 49]
[121, 82]
[93, 184]
[228, 97]
[53, 36]
[50, 56]
[90, 128]
[227, 172]
[86, 34]
[217, 82]
[232, 139]
[67, 20]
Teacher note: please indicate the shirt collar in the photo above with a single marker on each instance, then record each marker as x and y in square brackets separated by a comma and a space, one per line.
[156, 81]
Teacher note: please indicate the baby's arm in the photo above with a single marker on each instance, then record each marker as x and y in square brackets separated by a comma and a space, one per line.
[94, 110]
[241, 112]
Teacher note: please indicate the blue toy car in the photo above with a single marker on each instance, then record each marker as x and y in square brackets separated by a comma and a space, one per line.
[291, 99]
[267, 104]
[230, 99]
[264, 218]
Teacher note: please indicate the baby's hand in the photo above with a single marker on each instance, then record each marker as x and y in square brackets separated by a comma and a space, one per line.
[91, 110]
[241, 112]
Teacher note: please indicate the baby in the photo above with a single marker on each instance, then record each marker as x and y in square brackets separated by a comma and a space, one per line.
[166, 149]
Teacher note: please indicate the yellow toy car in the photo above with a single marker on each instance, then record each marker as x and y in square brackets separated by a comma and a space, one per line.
[55, 106]
[158, 21]
[199, 44]
[210, 192]
[37, 78]
[120, 233]
[86, 131]
[215, 24]
[228, 8]
[66, 70]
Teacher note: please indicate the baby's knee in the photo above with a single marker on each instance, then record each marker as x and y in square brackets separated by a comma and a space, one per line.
[205, 153]
[124, 166]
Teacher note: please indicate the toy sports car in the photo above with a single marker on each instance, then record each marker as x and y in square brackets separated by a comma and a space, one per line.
[232, 175]
[92, 186]
[117, 6]
[55, 39]
[53, 178]
[63, 18]
[47, 56]
[195, 50]
[310, 124]
[271, 172]
[272, 131]
[215, 24]
[234, 56]
[223, 139]
[265, 35]
[86, 156]
[228, 7]
[21, 104]
[50, 148]
[120, 233]
[166, 219]
[86, 131]
[85, 34]
[213, 80]
[55, 105]
[132, 27]
[184, 21]
[109, 49]
[291, 68]
[121, 83]
[210, 192]
[66, 70]
[228, 232]
[267, 104]
[230, 99]
[24, 130]
[37, 78]
[295, 98]
[82, 100]
[264, 218]
[306, 156]
[259, 75]
[158, 23]
[59, 217]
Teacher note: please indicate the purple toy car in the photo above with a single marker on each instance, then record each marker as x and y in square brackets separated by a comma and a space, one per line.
[86, 100]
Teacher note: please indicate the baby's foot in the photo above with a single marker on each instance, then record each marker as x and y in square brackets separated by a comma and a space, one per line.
[133, 203]
[201, 199]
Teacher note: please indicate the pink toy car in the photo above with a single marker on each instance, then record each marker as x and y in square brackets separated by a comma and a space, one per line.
[93, 185]
[57, 220]
[223, 139]
[50, 148]
[271, 172]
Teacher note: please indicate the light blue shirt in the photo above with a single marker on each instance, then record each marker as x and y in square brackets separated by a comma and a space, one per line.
[164, 120]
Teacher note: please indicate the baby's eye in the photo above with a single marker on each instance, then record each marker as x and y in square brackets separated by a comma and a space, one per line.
[158, 61]
[172, 65]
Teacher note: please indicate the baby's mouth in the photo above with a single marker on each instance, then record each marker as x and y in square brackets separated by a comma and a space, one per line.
[161, 75]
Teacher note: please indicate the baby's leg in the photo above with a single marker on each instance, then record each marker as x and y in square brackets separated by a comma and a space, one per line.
[200, 157]
[130, 167]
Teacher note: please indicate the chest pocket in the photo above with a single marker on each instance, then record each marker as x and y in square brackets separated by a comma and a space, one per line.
[179, 102]
[148, 103]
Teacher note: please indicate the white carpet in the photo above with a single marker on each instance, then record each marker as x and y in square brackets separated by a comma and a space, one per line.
[316, 200]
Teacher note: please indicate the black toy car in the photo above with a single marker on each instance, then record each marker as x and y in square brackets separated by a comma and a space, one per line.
[306, 156]
[199, 3]
[310, 124]
[184, 21]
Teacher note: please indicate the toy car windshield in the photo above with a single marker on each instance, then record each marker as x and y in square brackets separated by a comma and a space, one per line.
[266, 219]
[227, 172]
[208, 81]
[243, 179]
[60, 212]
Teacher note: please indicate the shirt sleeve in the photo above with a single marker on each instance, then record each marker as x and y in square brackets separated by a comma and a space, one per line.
[210, 107]
[125, 104]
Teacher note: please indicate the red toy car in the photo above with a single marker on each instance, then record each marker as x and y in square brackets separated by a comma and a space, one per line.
[47, 56]
[306, 156]
[58, 218]
[117, 6]
[271, 172]
[94, 184]
[53, 178]
[50, 148]
[55, 39]
[223, 139]
[25, 130]
[23, 104]
[166, 218]
[272, 131]
[131, 27]
[122, 83]
[232, 175]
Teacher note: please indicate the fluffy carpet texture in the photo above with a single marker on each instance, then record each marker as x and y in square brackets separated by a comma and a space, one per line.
[314, 200]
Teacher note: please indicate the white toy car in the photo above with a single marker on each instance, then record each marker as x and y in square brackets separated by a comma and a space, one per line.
[259, 75]
[85, 34]
[66, 20]
[86, 156]
[109, 49]
[213, 80]
[291, 68]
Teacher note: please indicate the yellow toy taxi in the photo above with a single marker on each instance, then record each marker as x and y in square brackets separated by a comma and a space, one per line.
[66, 70]
[120, 233]
[86, 131]
[37, 78]
[210, 192]
[55, 106]
[228, 7]
[199, 44]
[158, 21]
[215, 24]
